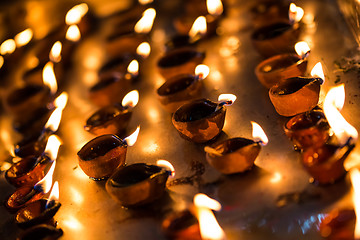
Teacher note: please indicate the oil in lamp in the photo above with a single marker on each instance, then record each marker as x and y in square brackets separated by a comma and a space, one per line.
[202, 120]
[236, 155]
[100, 157]
[41, 231]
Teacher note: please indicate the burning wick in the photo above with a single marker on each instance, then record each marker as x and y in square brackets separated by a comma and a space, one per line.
[54, 195]
[198, 29]
[202, 71]
[226, 99]
[132, 70]
[168, 166]
[131, 99]
[44, 185]
[259, 134]
[132, 138]
[295, 13]
[302, 49]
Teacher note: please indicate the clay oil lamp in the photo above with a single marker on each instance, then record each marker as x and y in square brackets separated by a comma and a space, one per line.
[267, 12]
[138, 184]
[100, 157]
[236, 155]
[181, 89]
[41, 232]
[202, 120]
[298, 94]
[325, 163]
[40, 211]
[113, 119]
[308, 129]
[280, 67]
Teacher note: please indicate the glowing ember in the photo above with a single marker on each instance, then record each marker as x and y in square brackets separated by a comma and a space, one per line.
[259, 134]
[55, 53]
[295, 13]
[167, 165]
[199, 27]
[7, 47]
[302, 48]
[49, 78]
[44, 185]
[202, 71]
[54, 194]
[143, 49]
[23, 38]
[133, 68]
[214, 7]
[226, 99]
[317, 71]
[73, 33]
[76, 13]
[52, 146]
[131, 99]
[144, 25]
[131, 140]
[355, 180]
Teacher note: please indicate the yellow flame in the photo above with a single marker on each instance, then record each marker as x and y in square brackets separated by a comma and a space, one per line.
[317, 71]
[76, 13]
[214, 7]
[199, 27]
[341, 128]
[202, 71]
[144, 2]
[131, 139]
[73, 33]
[49, 77]
[61, 100]
[302, 48]
[131, 99]
[7, 141]
[227, 99]
[52, 146]
[144, 25]
[54, 194]
[143, 49]
[23, 38]
[133, 67]
[7, 47]
[45, 183]
[167, 165]
[202, 200]
[355, 180]
[55, 52]
[259, 134]
[54, 120]
[295, 13]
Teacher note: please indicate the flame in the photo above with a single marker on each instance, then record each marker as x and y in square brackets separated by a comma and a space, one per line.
[73, 33]
[295, 13]
[317, 71]
[54, 194]
[214, 7]
[44, 185]
[131, 99]
[131, 139]
[355, 180]
[54, 120]
[6, 139]
[7, 47]
[209, 227]
[52, 146]
[76, 13]
[55, 53]
[23, 38]
[202, 71]
[49, 77]
[199, 27]
[144, 2]
[144, 25]
[259, 134]
[133, 68]
[143, 49]
[226, 99]
[61, 100]
[341, 128]
[1, 61]
[167, 165]
[302, 48]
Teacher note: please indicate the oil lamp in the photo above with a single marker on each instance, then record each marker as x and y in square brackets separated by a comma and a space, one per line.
[120, 43]
[202, 120]
[41, 231]
[267, 12]
[236, 155]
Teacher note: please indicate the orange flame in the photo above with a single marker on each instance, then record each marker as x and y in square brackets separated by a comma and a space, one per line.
[54, 194]
[202, 71]
[199, 27]
[7, 47]
[317, 71]
[61, 100]
[214, 7]
[145, 24]
[143, 49]
[23, 38]
[131, 99]
[226, 99]
[259, 134]
[355, 180]
[73, 33]
[144, 2]
[49, 77]
[302, 48]
[131, 139]
[133, 68]
[167, 165]
[55, 118]
[295, 13]
[76, 13]
[52, 146]
[55, 53]
[44, 185]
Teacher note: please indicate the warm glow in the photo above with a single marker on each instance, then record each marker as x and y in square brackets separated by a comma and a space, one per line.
[76, 13]
[131, 139]
[317, 71]
[167, 165]
[23, 38]
[44, 185]
[72, 223]
[202, 200]
[52, 147]
[276, 177]
[144, 2]
[73, 33]
[7, 142]
[54, 194]
[355, 180]
[199, 27]
[214, 7]
[133, 68]
[1, 61]
[144, 25]
[131, 99]
[55, 53]
[302, 49]
[76, 196]
[295, 13]
[202, 71]
[259, 134]
[7, 47]
[213, 151]
[61, 100]
[227, 99]
[143, 49]
[5, 166]
[49, 77]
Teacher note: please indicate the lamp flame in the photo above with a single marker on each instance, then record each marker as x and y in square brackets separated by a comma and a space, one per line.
[76, 13]
[167, 165]
[355, 180]
[199, 27]
[133, 68]
[143, 49]
[54, 194]
[49, 77]
[61, 100]
[226, 99]
[302, 49]
[1, 61]
[259, 134]
[202, 71]
[44, 185]
[144, 2]
[55, 118]
[55, 53]
[73, 33]
[131, 99]
[342, 129]
[214, 7]
[7, 47]
[144, 25]
[317, 71]
[52, 146]
[295, 13]
[131, 139]
[23, 38]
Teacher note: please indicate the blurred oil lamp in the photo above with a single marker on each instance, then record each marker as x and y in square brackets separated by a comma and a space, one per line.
[80, 15]
[297, 94]
[73, 33]
[132, 70]
[100, 157]
[113, 119]
[202, 120]
[296, 13]
[138, 184]
[280, 67]
[181, 89]
[325, 163]
[7, 47]
[143, 50]
[41, 231]
[145, 24]
[236, 155]
[117, 65]
[55, 52]
[267, 12]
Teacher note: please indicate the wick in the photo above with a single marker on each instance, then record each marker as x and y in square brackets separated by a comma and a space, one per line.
[211, 150]
[305, 55]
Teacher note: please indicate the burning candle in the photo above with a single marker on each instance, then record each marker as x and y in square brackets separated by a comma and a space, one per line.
[236, 155]
[202, 120]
